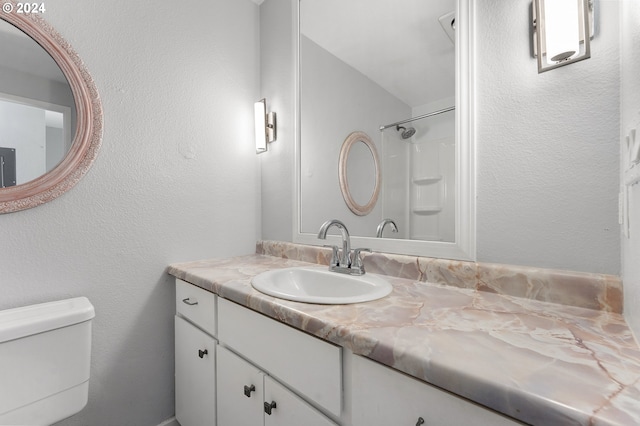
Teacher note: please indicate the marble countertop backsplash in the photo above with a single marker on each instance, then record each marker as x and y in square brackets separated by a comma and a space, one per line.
[542, 346]
[586, 290]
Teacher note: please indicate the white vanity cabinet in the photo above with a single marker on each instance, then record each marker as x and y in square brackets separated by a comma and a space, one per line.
[236, 367]
[290, 377]
[250, 397]
[383, 396]
[195, 355]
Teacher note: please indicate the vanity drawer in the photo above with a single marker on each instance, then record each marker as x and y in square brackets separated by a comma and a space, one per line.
[197, 305]
[306, 364]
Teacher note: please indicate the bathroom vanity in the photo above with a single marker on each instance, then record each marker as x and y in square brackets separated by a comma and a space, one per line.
[268, 373]
[426, 354]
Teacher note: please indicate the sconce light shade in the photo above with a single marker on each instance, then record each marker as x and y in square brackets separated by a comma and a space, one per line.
[563, 30]
[265, 126]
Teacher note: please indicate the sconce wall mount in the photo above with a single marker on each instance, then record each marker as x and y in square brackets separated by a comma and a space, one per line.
[265, 126]
[562, 30]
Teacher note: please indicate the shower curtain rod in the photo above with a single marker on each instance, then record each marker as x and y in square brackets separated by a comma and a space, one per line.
[417, 118]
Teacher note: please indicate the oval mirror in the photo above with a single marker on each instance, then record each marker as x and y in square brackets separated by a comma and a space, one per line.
[359, 173]
[50, 114]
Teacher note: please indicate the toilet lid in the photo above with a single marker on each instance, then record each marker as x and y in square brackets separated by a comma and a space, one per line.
[24, 321]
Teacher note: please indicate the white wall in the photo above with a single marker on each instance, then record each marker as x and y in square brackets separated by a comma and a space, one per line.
[34, 87]
[277, 85]
[23, 127]
[630, 119]
[56, 147]
[547, 146]
[176, 180]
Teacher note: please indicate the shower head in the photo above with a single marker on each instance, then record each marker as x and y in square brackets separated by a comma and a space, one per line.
[406, 133]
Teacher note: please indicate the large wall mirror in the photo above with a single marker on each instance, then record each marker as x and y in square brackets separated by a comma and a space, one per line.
[402, 76]
[50, 113]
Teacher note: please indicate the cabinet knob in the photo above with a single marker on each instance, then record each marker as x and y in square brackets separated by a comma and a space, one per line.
[202, 353]
[269, 406]
[248, 390]
[420, 421]
[195, 302]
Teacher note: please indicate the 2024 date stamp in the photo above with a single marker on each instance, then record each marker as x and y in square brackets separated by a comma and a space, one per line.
[24, 8]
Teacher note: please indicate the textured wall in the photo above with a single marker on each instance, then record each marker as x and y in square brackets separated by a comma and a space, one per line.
[176, 179]
[277, 85]
[547, 146]
[630, 119]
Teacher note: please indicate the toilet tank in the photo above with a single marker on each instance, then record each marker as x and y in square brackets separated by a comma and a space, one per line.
[45, 353]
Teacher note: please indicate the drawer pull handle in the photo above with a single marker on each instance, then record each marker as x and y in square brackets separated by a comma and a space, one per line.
[269, 406]
[189, 303]
[202, 353]
[248, 390]
[420, 421]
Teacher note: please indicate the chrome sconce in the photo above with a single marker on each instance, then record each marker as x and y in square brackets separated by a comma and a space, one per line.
[265, 126]
[562, 32]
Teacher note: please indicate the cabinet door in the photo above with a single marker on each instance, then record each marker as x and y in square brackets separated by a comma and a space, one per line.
[289, 409]
[383, 396]
[239, 391]
[313, 369]
[195, 375]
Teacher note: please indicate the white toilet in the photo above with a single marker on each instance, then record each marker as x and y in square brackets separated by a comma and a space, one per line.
[45, 353]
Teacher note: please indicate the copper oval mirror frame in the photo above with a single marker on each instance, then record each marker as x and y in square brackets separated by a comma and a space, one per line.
[360, 210]
[88, 134]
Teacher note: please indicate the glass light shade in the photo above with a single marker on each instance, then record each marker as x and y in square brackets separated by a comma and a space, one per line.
[562, 27]
[563, 31]
[260, 112]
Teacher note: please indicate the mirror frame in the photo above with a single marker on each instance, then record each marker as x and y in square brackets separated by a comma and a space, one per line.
[88, 132]
[464, 246]
[353, 138]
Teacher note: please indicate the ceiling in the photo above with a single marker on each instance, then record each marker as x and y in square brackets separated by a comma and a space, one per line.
[399, 44]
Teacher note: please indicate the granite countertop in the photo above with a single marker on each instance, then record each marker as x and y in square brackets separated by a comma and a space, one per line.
[541, 363]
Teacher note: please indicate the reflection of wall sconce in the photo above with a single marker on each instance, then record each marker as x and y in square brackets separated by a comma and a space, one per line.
[265, 126]
[562, 31]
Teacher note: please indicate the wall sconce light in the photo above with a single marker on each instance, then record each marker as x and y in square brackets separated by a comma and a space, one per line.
[265, 126]
[562, 32]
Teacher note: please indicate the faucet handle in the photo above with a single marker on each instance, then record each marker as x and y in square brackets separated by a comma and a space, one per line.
[334, 255]
[356, 262]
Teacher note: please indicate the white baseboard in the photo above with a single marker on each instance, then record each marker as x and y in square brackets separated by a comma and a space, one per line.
[170, 422]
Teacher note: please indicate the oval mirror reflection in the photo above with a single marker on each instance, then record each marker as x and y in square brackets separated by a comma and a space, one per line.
[37, 109]
[361, 173]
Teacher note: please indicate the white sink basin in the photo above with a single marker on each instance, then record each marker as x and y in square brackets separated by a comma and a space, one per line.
[319, 285]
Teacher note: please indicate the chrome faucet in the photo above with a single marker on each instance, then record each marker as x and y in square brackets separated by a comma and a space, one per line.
[344, 263]
[385, 222]
[345, 260]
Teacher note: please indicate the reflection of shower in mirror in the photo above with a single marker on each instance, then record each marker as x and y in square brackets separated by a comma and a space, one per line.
[406, 133]
[411, 131]
[418, 160]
